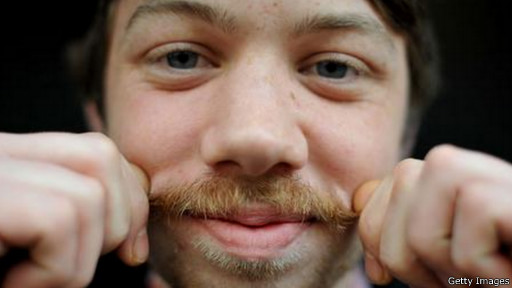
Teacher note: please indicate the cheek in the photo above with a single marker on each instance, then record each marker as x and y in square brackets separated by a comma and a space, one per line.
[353, 144]
[154, 129]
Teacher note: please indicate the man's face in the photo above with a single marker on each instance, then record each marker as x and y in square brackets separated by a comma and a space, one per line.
[255, 121]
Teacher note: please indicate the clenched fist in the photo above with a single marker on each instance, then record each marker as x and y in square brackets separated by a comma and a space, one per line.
[67, 199]
[447, 216]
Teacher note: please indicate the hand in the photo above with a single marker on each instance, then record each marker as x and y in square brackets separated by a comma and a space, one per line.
[67, 199]
[447, 216]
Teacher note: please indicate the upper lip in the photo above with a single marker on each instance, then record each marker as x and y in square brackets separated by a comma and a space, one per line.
[260, 215]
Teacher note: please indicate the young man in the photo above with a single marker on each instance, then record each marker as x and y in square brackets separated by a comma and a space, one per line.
[244, 130]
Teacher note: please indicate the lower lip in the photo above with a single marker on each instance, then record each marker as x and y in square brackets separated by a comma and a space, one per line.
[254, 242]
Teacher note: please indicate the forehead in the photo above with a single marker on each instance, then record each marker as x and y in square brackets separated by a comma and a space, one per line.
[255, 15]
[289, 7]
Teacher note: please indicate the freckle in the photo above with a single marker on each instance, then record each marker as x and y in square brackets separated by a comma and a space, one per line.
[250, 60]
[294, 99]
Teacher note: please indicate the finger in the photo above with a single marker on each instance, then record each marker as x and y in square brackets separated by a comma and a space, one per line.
[395, 252]
[108, 168]
[52, 239]
[373, 268]
[477, 237]
[370, 227]
[363, 195]
[375, 271]
[84, 193]
[155, 280]
[141, 177]
[372, 216]
[135, 249]
[447, 170]
[92, 154]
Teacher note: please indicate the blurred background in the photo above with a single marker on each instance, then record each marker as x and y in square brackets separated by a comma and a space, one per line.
[473, 110]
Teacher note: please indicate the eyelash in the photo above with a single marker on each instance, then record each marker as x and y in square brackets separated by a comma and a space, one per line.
[158, 55]
[356, 66]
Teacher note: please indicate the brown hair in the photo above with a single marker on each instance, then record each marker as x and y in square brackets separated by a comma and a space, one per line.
[406, 17]
[409, 18]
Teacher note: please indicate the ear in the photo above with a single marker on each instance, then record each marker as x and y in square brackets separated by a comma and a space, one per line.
[93, 117]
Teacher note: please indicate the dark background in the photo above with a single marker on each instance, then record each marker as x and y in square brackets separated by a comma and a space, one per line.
[473, 110]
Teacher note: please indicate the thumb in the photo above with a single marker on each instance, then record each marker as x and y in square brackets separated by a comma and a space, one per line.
[141, 177]
[135, 248]
[363, 195]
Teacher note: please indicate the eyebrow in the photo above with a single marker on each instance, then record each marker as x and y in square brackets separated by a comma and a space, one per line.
[213, 15]
[221, 19]
[349, 21]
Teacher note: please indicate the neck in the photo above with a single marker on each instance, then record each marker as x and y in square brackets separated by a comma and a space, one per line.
[353, 279]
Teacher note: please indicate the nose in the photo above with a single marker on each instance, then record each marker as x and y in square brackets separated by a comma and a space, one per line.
[255, 128]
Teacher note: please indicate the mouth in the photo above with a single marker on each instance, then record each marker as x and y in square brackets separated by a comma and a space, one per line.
[255, 233]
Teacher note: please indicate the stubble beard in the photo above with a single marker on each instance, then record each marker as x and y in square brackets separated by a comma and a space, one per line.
[223, 196]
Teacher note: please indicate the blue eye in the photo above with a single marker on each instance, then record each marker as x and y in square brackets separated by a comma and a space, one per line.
[182, 59]
[332, 69]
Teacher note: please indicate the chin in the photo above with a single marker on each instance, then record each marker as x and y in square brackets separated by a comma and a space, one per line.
[192, 252]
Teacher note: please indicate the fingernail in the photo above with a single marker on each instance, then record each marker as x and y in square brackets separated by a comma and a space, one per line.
[373, 269]
[141, 248]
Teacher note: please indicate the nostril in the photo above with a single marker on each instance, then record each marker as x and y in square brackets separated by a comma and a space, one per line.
[253, 151]
[227, 167]
[282, 168]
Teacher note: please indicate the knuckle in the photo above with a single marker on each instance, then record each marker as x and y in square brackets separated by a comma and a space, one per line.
[405, 167]
[442, 156]
[103, 144]
[404, 177]
[102, 149]
[94, 192]
[464, 261]
[471, 199]
[475, 206]
[60, 217]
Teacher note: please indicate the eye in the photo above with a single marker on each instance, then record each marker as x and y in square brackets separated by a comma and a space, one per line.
[334, 75]
[182, 59]
[181, 65]
[332, 69]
